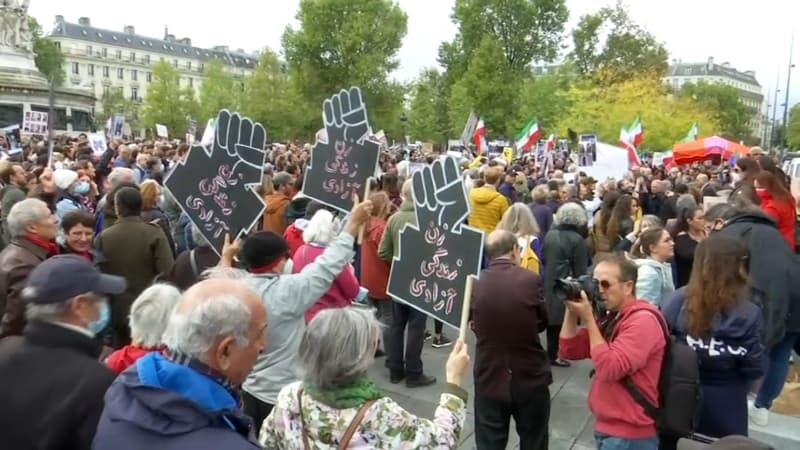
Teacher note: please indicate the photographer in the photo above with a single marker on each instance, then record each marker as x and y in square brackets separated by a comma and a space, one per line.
[627, 344]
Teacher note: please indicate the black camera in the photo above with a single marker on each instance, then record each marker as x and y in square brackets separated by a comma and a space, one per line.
[569, 289]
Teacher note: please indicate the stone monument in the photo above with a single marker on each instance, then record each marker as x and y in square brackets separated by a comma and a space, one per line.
[22, 87]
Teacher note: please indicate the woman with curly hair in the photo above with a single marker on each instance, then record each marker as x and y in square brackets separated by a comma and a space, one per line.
[714, 317]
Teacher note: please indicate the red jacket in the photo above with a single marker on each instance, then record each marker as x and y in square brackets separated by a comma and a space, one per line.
[126, 356]
[294, 237]
[374, 270]
[784, 213]
[636, 351]
[343, 290]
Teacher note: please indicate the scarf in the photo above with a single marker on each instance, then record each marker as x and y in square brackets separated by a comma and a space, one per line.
[350, 395]
[51, 247]
[199, 366]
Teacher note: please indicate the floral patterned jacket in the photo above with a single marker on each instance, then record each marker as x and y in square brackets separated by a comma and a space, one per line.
[386, 425]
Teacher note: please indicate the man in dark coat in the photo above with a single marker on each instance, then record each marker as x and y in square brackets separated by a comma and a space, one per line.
[51, 381]
[511, 370]
[188, 397]
[565, 255]
[136, 250]
[33, 228]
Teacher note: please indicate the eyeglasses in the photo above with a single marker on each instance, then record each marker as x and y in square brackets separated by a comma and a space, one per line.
[605, 284]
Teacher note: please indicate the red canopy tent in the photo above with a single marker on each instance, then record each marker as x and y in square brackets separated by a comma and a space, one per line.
[702, 149]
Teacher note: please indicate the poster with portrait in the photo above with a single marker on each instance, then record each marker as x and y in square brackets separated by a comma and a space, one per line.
[35, 122]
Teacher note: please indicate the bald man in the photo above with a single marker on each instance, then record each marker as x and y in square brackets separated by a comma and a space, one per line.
[187, 397]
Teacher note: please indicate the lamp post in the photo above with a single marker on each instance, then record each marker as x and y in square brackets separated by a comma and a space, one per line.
[774, 112]
[786, 104]
[403, 122]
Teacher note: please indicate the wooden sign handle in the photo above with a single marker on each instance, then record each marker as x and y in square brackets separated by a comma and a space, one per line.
[367, 193]
[462, 331]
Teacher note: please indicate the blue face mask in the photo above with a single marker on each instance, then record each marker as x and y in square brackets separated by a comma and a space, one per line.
[82, 188]
[102, 322]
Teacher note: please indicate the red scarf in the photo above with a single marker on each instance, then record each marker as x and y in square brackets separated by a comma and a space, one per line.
[50, 246]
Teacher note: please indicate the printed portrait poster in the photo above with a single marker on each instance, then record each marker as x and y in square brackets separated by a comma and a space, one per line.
[437, 253]
[35, 122]
[215, 185]
[342, 163]
[98, 143]
[117, 129]
[161, 131]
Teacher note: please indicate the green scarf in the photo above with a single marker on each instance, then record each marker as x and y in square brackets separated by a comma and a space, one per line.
[350, 395]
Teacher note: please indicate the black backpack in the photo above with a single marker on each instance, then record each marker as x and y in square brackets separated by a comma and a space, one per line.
[678, 388]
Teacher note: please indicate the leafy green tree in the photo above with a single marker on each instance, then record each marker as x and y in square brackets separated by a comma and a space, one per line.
[724, 103]
[344, 43]
[427, 117]
[49, 59]
[114, 103]
[608, 42]
[167, 103]
[489, 87]
[793, 128]
[545, 98]
[525, 31]
[605, 109]
[270, 98]
[220, 90]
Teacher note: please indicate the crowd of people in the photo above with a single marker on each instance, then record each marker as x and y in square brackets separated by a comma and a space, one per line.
[159, 341]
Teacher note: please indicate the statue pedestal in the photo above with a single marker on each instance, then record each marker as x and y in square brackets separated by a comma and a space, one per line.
[15, 59]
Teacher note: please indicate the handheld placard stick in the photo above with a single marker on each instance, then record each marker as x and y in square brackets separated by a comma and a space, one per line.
[367, 192]
[462, 331]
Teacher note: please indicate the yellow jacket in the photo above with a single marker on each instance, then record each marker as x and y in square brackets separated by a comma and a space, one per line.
[488, 207]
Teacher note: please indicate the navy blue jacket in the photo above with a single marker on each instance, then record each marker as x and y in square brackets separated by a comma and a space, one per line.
[159, 404]
[729, 360]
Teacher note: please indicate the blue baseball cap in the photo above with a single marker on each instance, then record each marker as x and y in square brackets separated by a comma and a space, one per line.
[63, 277]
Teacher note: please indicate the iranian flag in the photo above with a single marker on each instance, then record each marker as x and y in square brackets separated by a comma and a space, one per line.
[636, 132]
[693, 133]
[529, 135]
[550, 143]
[480, 137]
[626, 141]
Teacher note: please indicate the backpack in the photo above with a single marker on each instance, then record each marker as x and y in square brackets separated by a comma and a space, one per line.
[678, 388]
[530, 257]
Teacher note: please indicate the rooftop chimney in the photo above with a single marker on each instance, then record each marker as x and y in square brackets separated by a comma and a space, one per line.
[239, 50]
[710, 60]
[59, 18]
[85, 22]
[129, 29]
[185, 41]
[726, 65]
[220, 48]
[169, 38]
[750, 73]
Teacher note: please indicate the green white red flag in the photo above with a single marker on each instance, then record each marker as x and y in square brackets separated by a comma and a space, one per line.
[529, 136]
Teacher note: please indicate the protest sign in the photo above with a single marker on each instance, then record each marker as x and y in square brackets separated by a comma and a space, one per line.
[161, 130]
[98, 143]
[117, 130]
[342, 164]
[13, 139]
[191, 131]
[35, 122]
[437, 253]
[215, 184]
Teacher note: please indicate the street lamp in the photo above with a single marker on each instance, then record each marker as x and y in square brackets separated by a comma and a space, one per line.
[786, 103]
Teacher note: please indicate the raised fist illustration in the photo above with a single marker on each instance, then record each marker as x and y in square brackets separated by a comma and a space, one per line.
[439, 196]
[239, 136]
[345, 116]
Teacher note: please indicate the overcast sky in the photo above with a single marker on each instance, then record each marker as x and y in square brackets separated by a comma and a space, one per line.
[750, 35]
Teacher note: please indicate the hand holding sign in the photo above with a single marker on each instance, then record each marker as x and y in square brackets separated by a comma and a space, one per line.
[436, 256]
[342, 163]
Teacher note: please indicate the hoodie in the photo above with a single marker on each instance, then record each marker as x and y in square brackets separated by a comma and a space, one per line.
[654, 281]
[160, 404]
[488, 206]
[275, 214]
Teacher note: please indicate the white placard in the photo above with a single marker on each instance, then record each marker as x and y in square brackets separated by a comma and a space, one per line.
[161, 130]
[611, 162]
[35, 122]
[208, 134]
[117, 129]
[98, 143]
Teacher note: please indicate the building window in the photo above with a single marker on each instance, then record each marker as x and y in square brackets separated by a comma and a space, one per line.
[76, 68]
[106, 91]
[189, 65]
[133, 56]
[90, 70]
[134, 93]
[191, 82]
[58, 45]
[134, 75]
[105, 71]
[119, 54]
[121, 74]
[105, 52]
[147, 59]
[149, 76]
[175, 63]
[202, 67]
[88, 50]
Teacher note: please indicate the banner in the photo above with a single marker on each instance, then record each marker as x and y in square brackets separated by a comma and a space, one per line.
[342, 164]
[215, 185]
[437, 253]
